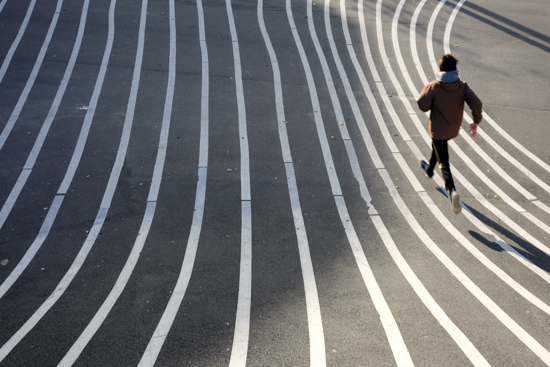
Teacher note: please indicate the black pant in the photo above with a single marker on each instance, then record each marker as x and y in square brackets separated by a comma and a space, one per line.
[440, 153]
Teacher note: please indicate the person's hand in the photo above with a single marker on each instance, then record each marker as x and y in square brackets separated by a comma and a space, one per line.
[473, 129]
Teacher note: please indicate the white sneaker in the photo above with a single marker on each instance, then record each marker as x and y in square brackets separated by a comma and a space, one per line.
[455, 199]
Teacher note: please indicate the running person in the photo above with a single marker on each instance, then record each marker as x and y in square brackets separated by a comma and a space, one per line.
[445, 98]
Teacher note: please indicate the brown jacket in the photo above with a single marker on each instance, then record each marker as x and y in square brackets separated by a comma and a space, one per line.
[445, 101]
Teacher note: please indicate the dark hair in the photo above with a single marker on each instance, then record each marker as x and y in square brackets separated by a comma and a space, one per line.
[448, 62]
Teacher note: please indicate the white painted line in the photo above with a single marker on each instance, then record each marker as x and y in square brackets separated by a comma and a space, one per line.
[241, 110]
[52, 212]
[32, 78]
[205, 91]
[462, 341]
[2, 5]
[14, 194]
[133, 258]
[17, 40]
[102, 213]
[315, 324]
[167, 115]
[31, 160]
[59, 290]
[156, 342]
[113, 296]
[317, 353]
[33, 249]
[88, 119]
[239, 351]
[395, 339]
[414, 51]
[429, 37]
[331, 171]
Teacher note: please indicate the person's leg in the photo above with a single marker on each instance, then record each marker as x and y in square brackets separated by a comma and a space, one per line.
[440, 153]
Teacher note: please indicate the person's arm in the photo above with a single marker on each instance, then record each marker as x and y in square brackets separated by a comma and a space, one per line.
[476, 106]
[425, 99]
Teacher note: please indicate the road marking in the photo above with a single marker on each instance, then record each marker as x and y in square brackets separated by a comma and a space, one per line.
[133, 258]
[33, 249]
[239, 349]
[156, 342]
[52, 212]
[395, 339]
[17, 40]
[32, 78]
[315, 326]
[102, 213]
[31, 160]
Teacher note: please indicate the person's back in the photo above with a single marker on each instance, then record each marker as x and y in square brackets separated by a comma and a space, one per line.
[445, 98]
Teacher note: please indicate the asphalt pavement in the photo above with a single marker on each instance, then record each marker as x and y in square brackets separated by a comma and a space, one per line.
[214, 183]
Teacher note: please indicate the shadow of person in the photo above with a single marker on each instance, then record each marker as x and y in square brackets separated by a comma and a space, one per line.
[522, 247]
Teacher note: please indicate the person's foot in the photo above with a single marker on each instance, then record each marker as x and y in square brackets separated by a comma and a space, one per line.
[426, 167]
[455, 200]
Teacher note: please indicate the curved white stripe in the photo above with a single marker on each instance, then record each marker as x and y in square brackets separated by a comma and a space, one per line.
[32, 78]
[414, 52]
[33, 155]
[2, 5]
[395, 339]
[310, 287]
[102, 213]
[133, 258]
[156, 342]
[334, 184]
[113, 296]
[239, 349]
[33, 249]
[316, 333]
[17, 40]
[429, 37]
[52, 212]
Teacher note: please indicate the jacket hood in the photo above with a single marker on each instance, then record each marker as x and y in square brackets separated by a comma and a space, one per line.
[447, 76]
[448, 80]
